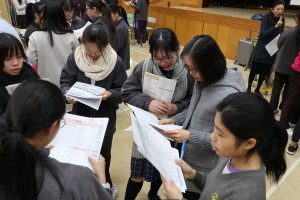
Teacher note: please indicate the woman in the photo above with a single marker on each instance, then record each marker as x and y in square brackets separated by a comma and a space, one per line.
[73, 21]
[207, 64]
[164, 62]
[50, 47]
[95, 62]
[289, 45]
[33, 19]
[20, 7]
[26, 170]
[99, 12]
[141, 18]
[119, 16]
[271, 26]
[13, 68]
[251, 143]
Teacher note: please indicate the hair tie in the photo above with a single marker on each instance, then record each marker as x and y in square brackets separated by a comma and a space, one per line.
[16, 129]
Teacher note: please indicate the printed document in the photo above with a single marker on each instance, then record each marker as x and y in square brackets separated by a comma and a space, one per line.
[79, 32]
[87, 94]
[272, 47]
[157, 150]
[79, 138]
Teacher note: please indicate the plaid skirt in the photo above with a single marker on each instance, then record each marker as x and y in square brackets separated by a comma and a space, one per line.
[143, 168]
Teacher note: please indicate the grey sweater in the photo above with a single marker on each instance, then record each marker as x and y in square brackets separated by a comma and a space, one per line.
[78, 183]
[247, 185]
[198, 118]
[141, 10]
[288, 49]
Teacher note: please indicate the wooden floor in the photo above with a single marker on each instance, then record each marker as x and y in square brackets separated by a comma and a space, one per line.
[288, 188]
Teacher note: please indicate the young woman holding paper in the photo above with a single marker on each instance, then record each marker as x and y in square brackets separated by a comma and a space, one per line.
[251, 144]
[26, 171]
[207, 64]
[271, 26]
[13, 68]
[163, 62]
[95, 62]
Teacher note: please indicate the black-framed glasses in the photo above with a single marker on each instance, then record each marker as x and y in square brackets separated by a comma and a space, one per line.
[62, 123]
[165, 60]
[191, 70]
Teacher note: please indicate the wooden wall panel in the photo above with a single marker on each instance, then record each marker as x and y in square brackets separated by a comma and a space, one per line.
[234, 37]
[181, 30]
[170, 22]
[223, 38]
[254, 34]
[211, 29]
[192, 3]
[194, 28]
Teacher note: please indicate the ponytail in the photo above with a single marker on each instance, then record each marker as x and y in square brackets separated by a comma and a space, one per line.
[22, 165]
[29, 16]
[273, 152]
[120, 10]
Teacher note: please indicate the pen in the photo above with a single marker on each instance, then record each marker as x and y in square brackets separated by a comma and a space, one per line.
[182, 150]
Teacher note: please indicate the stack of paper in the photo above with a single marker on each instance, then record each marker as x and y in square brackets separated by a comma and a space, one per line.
[155, 147]
[86, 94]
[79, 138]
[79, 32]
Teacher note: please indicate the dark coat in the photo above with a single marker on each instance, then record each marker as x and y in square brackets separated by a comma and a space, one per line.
[113, 83]
[267, 33]
[77, 23]
[123, 47]
[30, 29]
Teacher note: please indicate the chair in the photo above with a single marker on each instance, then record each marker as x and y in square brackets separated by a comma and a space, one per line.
[130, 19]
[152, 22]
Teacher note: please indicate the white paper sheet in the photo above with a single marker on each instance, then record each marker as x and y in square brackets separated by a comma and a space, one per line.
[79, 32]
[11, 88]
[127, 3]
[86, 94]
[79, 138]
[157, 150]
[272, 47]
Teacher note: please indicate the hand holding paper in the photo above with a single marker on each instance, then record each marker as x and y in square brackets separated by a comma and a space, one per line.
[99, 168]
[105, 95]
[188, 172]
[171, 190]
[179, 135]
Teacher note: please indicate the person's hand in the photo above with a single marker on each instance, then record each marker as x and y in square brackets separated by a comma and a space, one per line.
[158, 107]
[166, 121]
[179, 135]
[172, 108]
[99, 168]
[105, 95]
[279, 23]
[188, 172]
[49, 146]
[70, 100]
[171, 190]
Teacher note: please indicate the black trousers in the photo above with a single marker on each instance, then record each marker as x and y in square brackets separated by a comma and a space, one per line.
[21, 21]
[280, 81]
[142, 35]
[296, 134]
[106, 153]
[291, 108]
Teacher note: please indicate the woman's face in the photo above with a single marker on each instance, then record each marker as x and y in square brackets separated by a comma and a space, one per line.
[91, 12]
[68, 13]
[115, 17]
[13, 64]
[92, 50]
[165, 60]
[194, 72]
[223, 142]
[277, 10]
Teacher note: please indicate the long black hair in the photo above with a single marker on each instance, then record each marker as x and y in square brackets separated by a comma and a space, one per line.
[247, 115]
[54, 20]
[31, 9]
[207, 57]
[106, 13]
[120, 10]
[298, 29]
[32, 109]
[9, 46]
[270, 16]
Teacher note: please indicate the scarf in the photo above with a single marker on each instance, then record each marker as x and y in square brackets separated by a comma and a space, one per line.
[99, 69]
[179, 75]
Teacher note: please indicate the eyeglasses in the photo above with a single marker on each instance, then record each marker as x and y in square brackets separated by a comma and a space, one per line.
[191, 70]
[165, 60]
[66, 10]
[62, 123]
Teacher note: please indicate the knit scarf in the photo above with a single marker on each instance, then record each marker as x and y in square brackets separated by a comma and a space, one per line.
[179, 75]
[99, 69]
